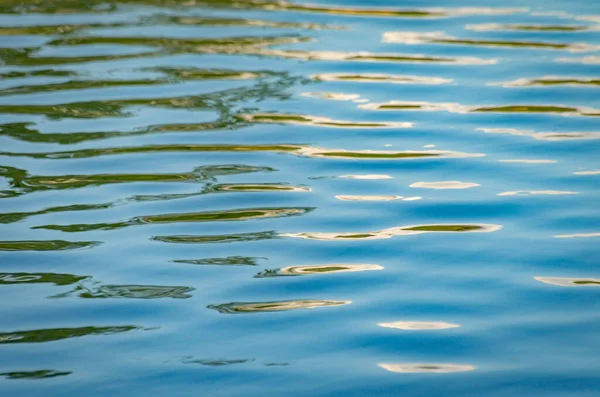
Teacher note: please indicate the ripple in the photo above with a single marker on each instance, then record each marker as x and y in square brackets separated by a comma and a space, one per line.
[317, 269]
[22, 183]
[593, 172]
[227, 261]
[258, 187]
[27, 57]
[214, 45]
[419, 325]
[442, 38]
[39, 374]
[578, 235]
[589, 60]
[367, 176]
[129, 292]
[46, 245]
[431, 368]
[35, 278]
[543, 136]
[397, 231]
[373, 12]
[367, 198]
[20, 74]
[253, 307]
[381, 78]
[172, 75]
[12, 217]
[444, 185]
[570, 282]
[54, 334]
[281, 118]
[308, 151]
[189, 20]
[564, 110]
[486, 27]
[207, 216]
[417, 106]
[374, 57]
[270, 5]
[534, 192]
[458, 108]
[214, 363]
[550, 81]
[381, 154]
[212, 239]
[335, 96]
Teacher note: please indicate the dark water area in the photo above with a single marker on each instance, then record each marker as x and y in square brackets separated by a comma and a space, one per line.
[269, 198]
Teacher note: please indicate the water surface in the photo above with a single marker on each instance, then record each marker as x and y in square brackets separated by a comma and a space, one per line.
[267, 198]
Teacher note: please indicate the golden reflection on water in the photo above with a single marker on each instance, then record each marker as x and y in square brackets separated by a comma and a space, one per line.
[259, 187]
[300, 150]
[381, 78]
[444, 185]
[430, 368]
[442, 38]
[458, 108]
[551, 81]
[243, 214]
[254, 307]
[364, 56]
[486, 27]
[318, 269]
[543, 136]
[335, 96]
[381, 154]
[419, 325]
[397, 231]
[282, 118]
[570, 282]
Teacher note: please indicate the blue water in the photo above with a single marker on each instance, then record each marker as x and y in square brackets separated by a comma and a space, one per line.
[251, 198]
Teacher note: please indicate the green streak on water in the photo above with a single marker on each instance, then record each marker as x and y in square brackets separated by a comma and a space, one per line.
[47, 245]
[39, 374]
[55, 334]
[35, 278]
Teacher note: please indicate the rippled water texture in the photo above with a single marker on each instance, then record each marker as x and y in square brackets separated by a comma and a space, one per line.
[233, 198]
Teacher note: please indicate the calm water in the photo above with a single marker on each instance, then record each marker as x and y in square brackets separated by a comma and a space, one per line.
[256, 198]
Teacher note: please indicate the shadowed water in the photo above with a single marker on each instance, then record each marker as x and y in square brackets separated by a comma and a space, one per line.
[284, 198]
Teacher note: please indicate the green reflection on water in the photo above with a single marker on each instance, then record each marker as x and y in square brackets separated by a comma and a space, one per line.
[213, 363]
[253, 307]
[444, 228]
[54, 334]
[224, 238]
[34, 278]
[46, 245]
[129, 292]
[39, 374]
[227, 261]
[23, 183]
[208, 216]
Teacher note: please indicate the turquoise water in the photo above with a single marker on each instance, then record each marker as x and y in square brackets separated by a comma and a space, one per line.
[255, 198]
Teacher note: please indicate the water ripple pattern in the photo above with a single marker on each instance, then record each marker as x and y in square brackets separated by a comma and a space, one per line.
[300, 198]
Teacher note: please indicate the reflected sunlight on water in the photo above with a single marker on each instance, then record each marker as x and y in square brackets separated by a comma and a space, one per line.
[423, 174]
